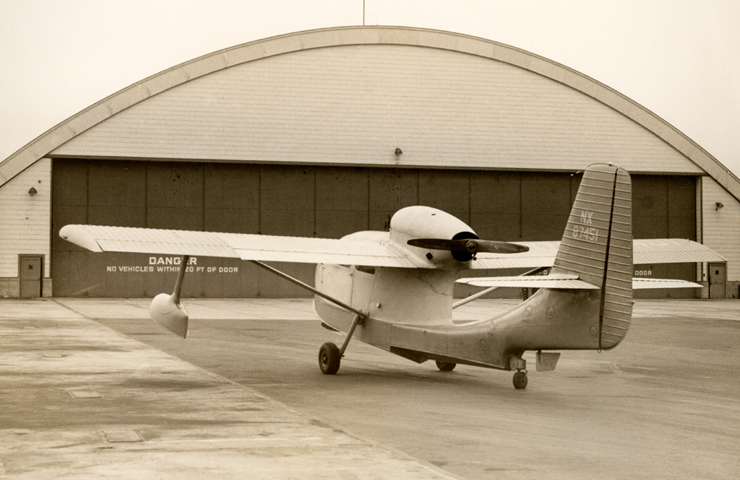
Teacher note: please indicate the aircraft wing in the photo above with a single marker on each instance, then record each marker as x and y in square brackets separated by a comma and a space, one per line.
[349, 251]
[232, 245]
[645, 251]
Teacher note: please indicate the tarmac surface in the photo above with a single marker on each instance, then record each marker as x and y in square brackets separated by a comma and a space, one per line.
[91, 388]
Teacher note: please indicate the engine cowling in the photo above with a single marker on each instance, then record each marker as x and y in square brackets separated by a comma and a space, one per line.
[426, 222]
[169, 312]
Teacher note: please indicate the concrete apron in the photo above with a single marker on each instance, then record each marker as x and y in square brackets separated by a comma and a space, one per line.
[82, 401]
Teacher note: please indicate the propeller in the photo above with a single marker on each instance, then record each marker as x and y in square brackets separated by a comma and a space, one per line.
[468, 245]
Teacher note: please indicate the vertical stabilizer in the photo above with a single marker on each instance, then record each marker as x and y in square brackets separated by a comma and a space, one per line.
[597, 246]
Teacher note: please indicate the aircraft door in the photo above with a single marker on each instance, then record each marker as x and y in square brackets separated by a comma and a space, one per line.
[362, 287]
[31, 275]
[717, 280]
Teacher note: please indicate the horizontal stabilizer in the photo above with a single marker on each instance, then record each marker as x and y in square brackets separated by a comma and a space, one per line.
[570, 282]
[555, 281]
[645, 251]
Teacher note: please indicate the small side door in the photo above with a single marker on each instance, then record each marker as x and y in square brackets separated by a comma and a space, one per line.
[31, 275]
[717, 280]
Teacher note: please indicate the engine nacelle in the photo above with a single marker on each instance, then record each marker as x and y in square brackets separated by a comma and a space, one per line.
[426, 222]
[170, 313]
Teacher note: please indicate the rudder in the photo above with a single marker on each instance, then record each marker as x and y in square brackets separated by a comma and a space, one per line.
[597, 246]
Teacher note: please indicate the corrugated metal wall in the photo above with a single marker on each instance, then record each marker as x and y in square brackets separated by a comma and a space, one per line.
[304, 201]
[353, 105]
[24, 223]
[721, 228]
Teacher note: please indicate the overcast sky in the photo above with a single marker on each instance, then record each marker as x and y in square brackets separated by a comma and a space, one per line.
[678, 58]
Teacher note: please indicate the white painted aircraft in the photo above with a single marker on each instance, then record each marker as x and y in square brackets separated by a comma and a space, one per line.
[394, 289]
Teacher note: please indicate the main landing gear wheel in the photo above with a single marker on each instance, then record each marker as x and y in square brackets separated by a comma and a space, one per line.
[446, 366]
[520, 380]
[329, 358]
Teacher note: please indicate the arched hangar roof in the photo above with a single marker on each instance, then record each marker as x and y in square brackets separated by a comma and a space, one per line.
[352, 95]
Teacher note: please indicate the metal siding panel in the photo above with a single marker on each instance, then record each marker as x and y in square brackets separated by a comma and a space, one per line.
[116, 216]
[543, 227]
[497, 226]
[287, 200]
[175, 218]
[338, 223]
[25, 219]
[174, 196]
[682, 207]
[122, 284]
[68, 280]
[113, 183]
[231, 198]
[70, 182]
[233, 220]
[722, 226]
[356, 104]
[343, 188]
[174, 185]
[495, 192]
[682, 197]
[389, 191]
[545, 205]
[446, 190]
[232, 186]
[64, 215]
[341, 201]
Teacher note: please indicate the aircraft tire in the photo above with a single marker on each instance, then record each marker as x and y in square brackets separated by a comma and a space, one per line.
[329, 358]
[520, 380]
[446, 366]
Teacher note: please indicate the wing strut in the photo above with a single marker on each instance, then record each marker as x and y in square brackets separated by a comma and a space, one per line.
[358, 320]
[330, 356]
[295, 281]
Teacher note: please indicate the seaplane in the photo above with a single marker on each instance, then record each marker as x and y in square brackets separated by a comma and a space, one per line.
[394, 289]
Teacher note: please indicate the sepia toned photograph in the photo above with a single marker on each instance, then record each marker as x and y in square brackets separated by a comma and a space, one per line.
[369, 239]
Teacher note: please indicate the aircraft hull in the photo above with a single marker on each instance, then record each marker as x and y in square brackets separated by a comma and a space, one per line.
[549, 320]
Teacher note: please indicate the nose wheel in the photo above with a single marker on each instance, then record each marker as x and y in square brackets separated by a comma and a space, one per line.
[520, 380]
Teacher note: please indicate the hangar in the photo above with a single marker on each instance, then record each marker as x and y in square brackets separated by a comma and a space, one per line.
[330, 131]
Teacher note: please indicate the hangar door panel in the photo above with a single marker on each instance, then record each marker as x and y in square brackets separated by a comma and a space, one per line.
[316, 201]
[495, 205]
[341, 201]
[546, 205]
[390, 190]
[664, 206]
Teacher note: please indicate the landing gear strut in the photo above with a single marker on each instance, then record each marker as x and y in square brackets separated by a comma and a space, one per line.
[330, 356]
[520, 380]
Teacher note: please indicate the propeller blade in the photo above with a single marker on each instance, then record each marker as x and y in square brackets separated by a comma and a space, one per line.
[468, 245]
